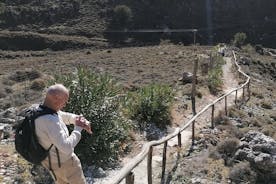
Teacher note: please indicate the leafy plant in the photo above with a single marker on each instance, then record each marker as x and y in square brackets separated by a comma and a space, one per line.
[215, 74]
[239, 39]
[122, 16]
[149, 105]
[93, 96]
[2, 8]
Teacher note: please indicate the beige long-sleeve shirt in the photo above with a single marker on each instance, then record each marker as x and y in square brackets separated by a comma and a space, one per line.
[51, 129]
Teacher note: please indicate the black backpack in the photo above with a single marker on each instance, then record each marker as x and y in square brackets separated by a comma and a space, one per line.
[26, 142]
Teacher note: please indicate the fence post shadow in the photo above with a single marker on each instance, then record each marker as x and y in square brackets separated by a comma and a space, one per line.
[171, 173]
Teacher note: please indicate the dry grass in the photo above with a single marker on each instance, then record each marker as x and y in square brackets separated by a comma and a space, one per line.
[242, 173]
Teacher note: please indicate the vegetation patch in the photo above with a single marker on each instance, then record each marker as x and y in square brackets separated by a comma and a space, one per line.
[94, 96]
[150, 105]
[23, 75]
[242, 173]
[215, 74]
[239, 39]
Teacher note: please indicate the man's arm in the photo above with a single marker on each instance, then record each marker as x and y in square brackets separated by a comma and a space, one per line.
[59, 137]
[69, 118]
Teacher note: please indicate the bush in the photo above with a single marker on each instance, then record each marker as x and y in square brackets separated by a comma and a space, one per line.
[91, 95]
[38, 84]
[2, 9]
[215, 74]
[20, 76]
[122, 16]
[242, 173]
[239, 39]
[228, 146]
[227, 149]
[150, 105]
[266, 105]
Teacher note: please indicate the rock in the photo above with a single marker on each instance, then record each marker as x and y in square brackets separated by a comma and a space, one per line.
[244, 61]
[259, 49]
[99, 173]
[9, 113]
[94, 172]
[152, 132]
[5, 131]
[260, 151]
[187, 77]
[7, 121]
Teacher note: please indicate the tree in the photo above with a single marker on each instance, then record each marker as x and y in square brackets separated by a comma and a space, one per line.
[122, 16]
[239, 39]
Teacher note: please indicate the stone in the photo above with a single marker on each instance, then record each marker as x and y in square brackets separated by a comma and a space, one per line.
[260, 151]
[187, 77]
[9, 113]
[7, 121]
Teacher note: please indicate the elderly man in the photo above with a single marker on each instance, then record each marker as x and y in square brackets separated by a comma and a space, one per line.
[53, 134]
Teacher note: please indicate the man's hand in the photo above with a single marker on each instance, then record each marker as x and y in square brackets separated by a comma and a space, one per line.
[83, 123]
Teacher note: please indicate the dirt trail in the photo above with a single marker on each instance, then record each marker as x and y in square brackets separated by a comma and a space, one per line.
[140, 173]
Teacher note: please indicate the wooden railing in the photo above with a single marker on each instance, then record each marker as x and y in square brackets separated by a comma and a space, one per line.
[147, 150]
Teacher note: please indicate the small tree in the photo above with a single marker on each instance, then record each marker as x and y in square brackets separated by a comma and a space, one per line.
[2, 8]
[92, 95]
[239, 39]
[215, 73]
[150, 105]
[122, 16]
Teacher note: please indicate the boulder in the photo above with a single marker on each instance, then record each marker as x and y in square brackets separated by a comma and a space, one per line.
[9, 113]
[260, 151]
[187, 77]
[259, 49]
[244, 61]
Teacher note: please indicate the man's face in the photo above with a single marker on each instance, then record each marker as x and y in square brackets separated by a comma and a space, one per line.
[62, 100]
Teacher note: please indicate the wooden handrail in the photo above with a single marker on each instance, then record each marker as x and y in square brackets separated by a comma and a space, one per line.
[147, 148]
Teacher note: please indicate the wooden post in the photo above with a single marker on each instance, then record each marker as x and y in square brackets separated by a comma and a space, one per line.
[150, 166]
[226, 105]
[179, 140]
[164, 162]
[236, 97]
[248, 89]
[194, 86]
[193, 133]
[212, 118]
[130, 178]
[1, 132]
[243, 94]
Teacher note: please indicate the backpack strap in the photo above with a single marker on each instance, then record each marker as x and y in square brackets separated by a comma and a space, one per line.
[50, 167]
[57, 152]
[50, 147]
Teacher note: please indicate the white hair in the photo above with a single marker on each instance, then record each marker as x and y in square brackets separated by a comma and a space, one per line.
[57, 89]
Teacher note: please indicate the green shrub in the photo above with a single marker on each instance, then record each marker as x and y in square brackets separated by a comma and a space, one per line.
[122, 16]
[2, 9]
[215, 74]
[91, 95]
[150, 105]
[242, 173]
[239, 39]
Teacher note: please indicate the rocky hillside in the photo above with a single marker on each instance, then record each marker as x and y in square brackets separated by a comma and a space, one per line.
[241, 149]
[217, 21]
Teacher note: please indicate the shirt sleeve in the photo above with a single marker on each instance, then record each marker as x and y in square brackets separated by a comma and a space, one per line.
[68, 118]
[60, 138]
